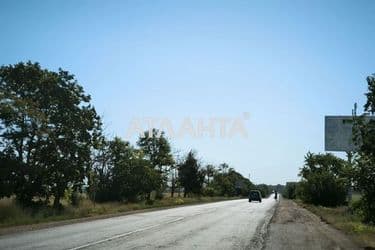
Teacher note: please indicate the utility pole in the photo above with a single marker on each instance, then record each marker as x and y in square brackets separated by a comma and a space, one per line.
[349, 155]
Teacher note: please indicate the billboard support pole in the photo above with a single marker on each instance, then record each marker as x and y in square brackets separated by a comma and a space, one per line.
[349, 154]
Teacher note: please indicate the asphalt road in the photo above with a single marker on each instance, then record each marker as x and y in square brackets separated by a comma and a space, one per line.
[221, 225]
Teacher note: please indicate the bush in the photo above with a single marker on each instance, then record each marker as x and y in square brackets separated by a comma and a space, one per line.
[209, 191]
[324, 181]
[356, 207]
[290, 190]
[9, 210]
[76, 198]
[179, 201]
[323, 189]
[365, 182]
[367, 207]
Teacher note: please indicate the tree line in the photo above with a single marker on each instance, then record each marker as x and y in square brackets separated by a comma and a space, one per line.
[326, 179]
[52, 141]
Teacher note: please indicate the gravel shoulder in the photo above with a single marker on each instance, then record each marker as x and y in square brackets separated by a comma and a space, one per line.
[293, 227]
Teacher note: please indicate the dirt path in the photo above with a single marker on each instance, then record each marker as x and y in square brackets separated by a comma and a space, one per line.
[293, 227]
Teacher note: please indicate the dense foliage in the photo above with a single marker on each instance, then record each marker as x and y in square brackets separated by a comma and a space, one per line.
[157, 151]
[228, 182]
[290, 190]
[191, 176]
[47, 131]
[364, 136]
[123, 175]
[324, 180]
[264, 190]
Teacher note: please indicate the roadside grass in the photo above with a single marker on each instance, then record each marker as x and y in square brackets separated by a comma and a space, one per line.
[11, 214]
[343, 219]
[356, 197]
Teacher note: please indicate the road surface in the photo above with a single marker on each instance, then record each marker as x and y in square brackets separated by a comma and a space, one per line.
[222, 225]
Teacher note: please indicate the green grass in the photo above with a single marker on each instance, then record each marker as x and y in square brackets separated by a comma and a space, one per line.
[343, 219]
[356, 197]
[12, 214]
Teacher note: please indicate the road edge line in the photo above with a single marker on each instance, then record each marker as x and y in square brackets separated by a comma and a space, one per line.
[257, 242]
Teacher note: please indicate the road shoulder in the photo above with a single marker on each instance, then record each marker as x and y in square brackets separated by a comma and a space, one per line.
[293, 227]
[37, 226]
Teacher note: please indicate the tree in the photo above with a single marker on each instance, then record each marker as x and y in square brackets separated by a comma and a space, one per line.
[209, 171]
[133, 176]
[122, 173]
[7, 178]
[324, 180]
[241, 184]
[228, 182]
[264, 190]
[156, 149]
[370, 103]
[364, 167]
[48, 125]
[190, 175]
[290, 190]
[223, 168]
[173, 179]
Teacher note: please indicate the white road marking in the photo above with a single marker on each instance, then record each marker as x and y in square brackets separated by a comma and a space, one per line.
[125, 234]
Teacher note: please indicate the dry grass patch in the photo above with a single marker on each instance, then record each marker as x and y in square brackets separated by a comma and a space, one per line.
[11, 214]
[343, 219]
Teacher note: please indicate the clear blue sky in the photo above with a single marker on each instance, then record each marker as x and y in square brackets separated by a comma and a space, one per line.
[286, 63]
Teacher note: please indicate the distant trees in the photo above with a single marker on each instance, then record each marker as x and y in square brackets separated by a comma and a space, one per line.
[324, 180]
[47, 130]
[52, 146]
[227, 182]
[210, 180]
[222, 183]
[264, 190]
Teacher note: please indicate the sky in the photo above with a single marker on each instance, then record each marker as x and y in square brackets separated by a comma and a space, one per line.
[271, 69]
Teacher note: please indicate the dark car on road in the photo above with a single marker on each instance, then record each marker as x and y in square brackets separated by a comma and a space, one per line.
[255, 195]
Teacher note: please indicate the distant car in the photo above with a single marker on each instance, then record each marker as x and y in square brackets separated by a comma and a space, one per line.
[255, 195]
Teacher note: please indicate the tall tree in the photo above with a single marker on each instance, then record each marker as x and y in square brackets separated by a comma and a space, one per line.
[190, 175]
[209, 171]
[48, 125]
[364, 137]
[157, 150]
[173, 179]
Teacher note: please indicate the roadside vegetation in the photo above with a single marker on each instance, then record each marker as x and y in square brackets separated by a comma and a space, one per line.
[56, 163]
[346, 220]
[326, 181]
[12, 214]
